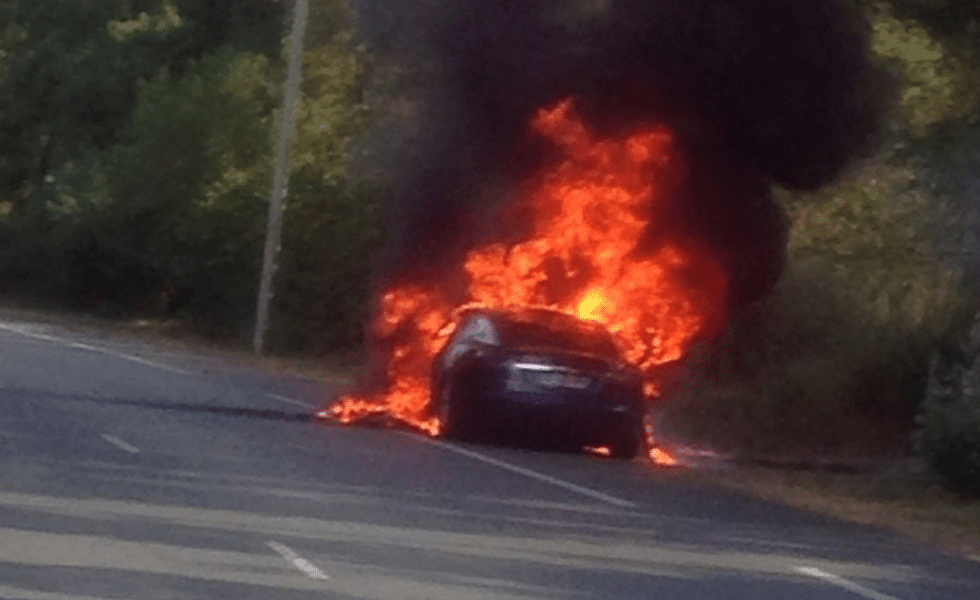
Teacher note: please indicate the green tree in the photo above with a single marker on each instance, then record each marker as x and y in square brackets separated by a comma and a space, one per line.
[69, 70]
[187, 185]
[332, 223]
[58, 92]
[957, 21]
[940, 86]
[248, 25]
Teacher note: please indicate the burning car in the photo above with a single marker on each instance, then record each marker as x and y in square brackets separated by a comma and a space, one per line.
[541, 373]
[613, 161]
[599, 277]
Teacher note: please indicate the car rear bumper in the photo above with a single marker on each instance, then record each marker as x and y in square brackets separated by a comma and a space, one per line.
[585, 419]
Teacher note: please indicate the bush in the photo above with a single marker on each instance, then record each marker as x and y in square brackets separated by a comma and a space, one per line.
[330, 233]
[803, 371]
[949, 422]
[836, 360]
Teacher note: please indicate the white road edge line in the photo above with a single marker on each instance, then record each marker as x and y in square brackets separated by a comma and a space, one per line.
[7, 591]
[529, 473]
[118, 443]
[128, 357]
[290, 400]
[297, 561]
[80, 346]
[24, 332]
[843, 583]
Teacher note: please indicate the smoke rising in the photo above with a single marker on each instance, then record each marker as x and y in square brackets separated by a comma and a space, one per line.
[760, 92]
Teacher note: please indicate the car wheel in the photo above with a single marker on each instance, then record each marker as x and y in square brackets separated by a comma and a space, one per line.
[456, 424]
[628, 440]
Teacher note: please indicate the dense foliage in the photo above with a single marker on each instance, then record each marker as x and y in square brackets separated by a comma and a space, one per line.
[137, 143]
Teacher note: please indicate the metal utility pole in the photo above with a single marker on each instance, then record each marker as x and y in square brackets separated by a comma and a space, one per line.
[280, 179]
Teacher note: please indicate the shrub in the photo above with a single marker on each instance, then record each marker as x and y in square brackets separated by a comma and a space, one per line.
[803, 371]
[330, 234]
[948, 437]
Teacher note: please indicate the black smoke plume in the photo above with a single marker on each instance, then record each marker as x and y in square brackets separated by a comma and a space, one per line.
[760, 92]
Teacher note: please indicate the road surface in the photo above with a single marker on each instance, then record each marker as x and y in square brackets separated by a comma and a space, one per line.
[128, 472]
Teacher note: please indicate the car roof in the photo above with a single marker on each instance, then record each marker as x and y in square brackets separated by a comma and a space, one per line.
[561, 325]
[532, 313]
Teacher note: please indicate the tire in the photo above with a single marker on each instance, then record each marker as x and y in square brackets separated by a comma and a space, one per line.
[628, 440]
[457, 423]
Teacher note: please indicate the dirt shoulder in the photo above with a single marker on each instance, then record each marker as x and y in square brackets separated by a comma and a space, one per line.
[900, 499]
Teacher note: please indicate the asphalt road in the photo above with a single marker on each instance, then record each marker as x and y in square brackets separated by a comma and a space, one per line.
[127, 472]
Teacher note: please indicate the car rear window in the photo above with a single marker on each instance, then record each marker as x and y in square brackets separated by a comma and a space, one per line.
[540, 329]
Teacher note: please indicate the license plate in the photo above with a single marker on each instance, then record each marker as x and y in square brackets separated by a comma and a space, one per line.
[576, 382]
[557, 380]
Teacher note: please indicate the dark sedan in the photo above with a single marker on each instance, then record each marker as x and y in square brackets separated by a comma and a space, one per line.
[542, 375]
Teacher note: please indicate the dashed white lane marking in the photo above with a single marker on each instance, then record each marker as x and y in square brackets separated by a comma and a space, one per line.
[64, 342]
[298, 561]
[290, 400]
[118, 443]
[529, 473]
[844, 583]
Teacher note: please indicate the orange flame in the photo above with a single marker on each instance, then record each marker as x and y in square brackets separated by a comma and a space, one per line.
[599, 450]
[661, 457]
[591, 306]
[588, 252]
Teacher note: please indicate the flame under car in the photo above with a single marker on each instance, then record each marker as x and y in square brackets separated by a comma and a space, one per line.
[540, 375]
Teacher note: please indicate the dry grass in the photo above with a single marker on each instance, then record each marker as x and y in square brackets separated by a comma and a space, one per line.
[903, 501]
